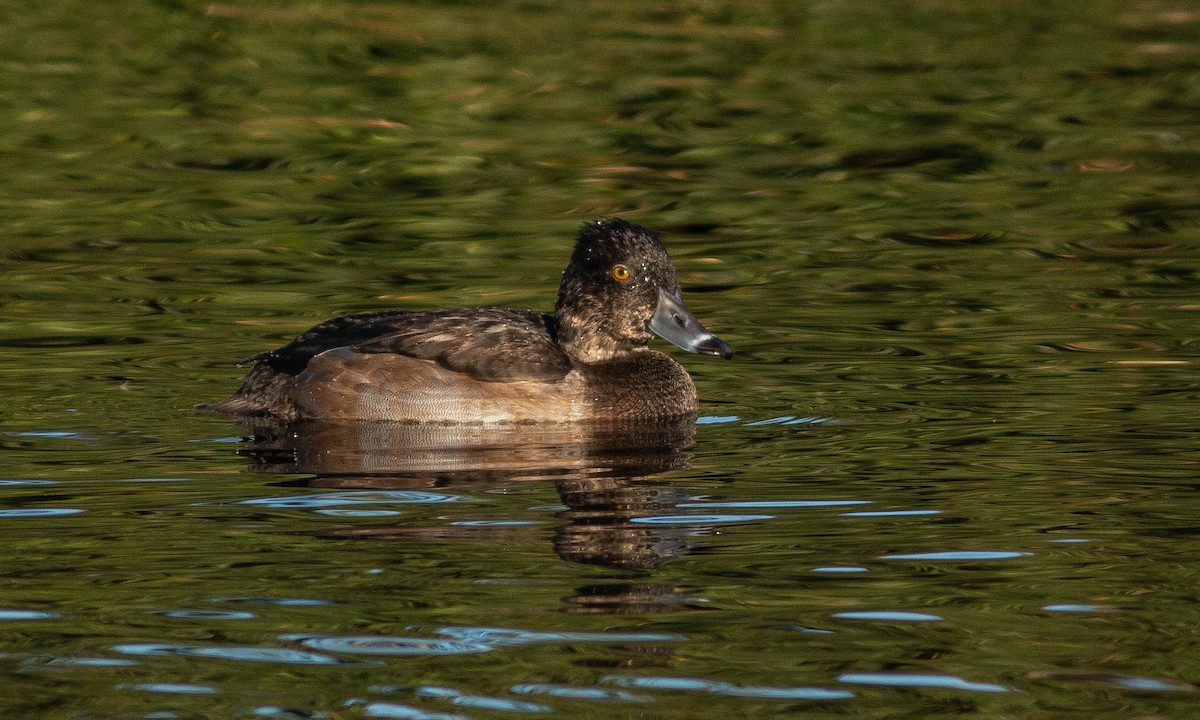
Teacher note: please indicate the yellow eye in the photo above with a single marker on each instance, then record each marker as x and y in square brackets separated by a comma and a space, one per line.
[620, 272]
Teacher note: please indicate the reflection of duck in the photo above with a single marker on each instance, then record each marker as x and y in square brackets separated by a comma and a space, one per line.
[605, 475]
[603, 528]
[589, 361]
[428, 453]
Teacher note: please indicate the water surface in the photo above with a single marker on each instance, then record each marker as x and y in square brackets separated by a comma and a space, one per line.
[949, 472]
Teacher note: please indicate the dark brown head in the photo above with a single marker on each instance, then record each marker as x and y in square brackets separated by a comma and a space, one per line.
[619, 289]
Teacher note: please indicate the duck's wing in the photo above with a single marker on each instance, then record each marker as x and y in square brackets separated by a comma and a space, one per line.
[340, 331]
[490, 344]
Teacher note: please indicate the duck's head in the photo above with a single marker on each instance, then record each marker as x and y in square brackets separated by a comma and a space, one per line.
[620, 289]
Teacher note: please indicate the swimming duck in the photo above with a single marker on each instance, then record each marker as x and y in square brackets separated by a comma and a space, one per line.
[587, 361]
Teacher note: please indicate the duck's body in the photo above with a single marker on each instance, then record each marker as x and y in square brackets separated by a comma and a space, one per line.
[590, 361]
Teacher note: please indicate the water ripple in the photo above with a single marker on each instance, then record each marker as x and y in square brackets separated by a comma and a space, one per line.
[684, 684]
[506, 636]
[229, 652]
[959, 555]
[773, 503]
[482, 702]
[1077, 608]
[891, 615]
[91, 662]
[26, 615]
[948, 682]
[698, 519]
[1130, 682]
[891, 513]
[52, 434]
[464, 640]
[38, 512]
[205, 614]
[282, 602]
[577, 693]
[406, 712]
[353, 497]
[793, 420]
[805, 629]
[370, 645]
[176, 688]
[336, 512]
[771, 421]
[158, 480]
[274, 711]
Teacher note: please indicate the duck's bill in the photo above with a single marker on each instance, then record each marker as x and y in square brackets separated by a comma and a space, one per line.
[673, 322]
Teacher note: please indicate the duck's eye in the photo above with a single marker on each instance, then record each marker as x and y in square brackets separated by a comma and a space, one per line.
[620, 272]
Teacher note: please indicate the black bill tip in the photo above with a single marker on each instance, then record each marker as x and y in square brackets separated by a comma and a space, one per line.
[713, 345]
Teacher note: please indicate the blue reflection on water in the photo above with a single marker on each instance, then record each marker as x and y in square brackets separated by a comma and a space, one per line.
[92, 662]
[369, 645]
[893, 615]
[685, 684]
[506, 636]
[27, 615]
[771, 421]
[205, 614]
[353, 497]
[949, 682]
[283, 602]
[791, 420]
[1073, 608]
[698, 519]
[406, 712]
[52, 434]
[482, 702]
[577, 693]
[38, 512]
[1147, 684]
[959, 555]
[177, 688]
[464, 640]
[273, 711]
[229, 652]
[1152, 684]
[773, 503]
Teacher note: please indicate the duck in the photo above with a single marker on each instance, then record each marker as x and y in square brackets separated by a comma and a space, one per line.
[588, 361]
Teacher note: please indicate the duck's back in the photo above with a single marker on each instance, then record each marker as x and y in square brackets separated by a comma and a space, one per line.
[449, 365]
[488, 344]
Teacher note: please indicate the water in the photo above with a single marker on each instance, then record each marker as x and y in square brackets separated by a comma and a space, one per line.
[949, 471]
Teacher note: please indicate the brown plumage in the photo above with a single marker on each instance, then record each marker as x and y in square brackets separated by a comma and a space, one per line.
[589, 361]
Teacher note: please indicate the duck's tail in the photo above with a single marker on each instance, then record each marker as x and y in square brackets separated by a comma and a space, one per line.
[265, 391]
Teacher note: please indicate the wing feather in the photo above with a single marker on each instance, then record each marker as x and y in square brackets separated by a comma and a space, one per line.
[489, 344]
